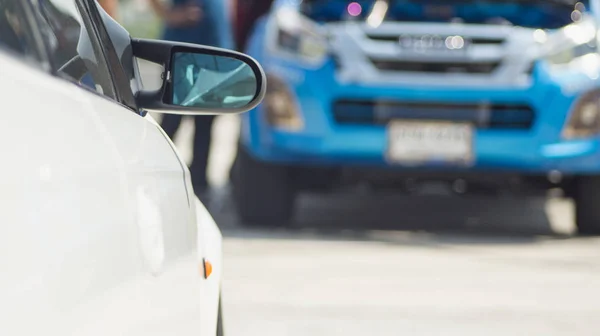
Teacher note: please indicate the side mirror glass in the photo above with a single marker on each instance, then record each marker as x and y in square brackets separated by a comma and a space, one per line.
[211, 81]
[200, 79]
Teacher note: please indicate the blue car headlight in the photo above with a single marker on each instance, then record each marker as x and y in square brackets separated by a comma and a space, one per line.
[295, 37]
[280, 106]
[570, 53]
[584, 120]
[574, 49]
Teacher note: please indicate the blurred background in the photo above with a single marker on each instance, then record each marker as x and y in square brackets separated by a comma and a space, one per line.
[361, 262]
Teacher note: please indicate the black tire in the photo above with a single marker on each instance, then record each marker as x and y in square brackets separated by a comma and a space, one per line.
[263, 192]
[586, 193]
[220, 331]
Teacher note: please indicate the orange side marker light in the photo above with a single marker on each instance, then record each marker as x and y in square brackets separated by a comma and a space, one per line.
[207, 268]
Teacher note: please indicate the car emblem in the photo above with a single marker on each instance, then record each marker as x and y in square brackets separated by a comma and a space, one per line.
[434, 43]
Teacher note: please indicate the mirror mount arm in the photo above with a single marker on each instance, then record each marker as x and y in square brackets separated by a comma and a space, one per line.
[155, 51]
[158, 52]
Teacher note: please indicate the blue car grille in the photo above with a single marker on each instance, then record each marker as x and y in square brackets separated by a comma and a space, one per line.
[437, 67]
[474, 40]
[482, 115]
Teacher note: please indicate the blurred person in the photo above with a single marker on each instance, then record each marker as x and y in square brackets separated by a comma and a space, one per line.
[201, 22]
[110, 6]
[246, 13]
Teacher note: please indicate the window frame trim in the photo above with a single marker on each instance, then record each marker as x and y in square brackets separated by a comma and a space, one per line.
[125, 95]
[53, 69]
[99, 37]
[97, 46]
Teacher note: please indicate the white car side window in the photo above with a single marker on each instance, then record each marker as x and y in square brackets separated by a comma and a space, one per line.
[15, 34]
[74, 51]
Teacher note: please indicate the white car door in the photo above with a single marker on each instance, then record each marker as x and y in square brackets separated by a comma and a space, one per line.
[98, 218]
[166, 214]
[172, 221]
[66, 230]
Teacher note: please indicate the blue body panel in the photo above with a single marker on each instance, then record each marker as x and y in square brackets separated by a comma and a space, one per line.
[322, 141]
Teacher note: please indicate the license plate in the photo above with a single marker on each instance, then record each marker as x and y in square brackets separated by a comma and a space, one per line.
[415, 142]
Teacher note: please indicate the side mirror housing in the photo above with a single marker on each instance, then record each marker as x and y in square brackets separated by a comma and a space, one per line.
[200, 79]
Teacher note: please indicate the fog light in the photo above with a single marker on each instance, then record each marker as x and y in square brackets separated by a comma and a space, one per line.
[281, 109]
[584, 120]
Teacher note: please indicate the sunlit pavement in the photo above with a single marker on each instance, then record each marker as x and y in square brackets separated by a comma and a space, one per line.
[362, 264]
[449, 279]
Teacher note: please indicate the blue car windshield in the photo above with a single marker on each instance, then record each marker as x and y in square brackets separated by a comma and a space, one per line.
[545, 14]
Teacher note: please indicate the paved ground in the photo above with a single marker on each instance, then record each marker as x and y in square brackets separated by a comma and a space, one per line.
[430, 267]
[361, 264]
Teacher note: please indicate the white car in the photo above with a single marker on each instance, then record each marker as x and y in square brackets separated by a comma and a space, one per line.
[100, 230]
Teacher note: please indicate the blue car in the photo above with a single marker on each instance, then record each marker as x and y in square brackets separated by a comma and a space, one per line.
[482, 96]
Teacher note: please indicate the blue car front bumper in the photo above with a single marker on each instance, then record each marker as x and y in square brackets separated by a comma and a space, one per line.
[533, 145]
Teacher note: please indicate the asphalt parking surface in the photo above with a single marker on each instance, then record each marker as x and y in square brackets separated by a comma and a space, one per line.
[358, 265]
[373, 264]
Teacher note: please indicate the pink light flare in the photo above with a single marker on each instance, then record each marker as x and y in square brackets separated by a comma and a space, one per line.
[354, 9]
